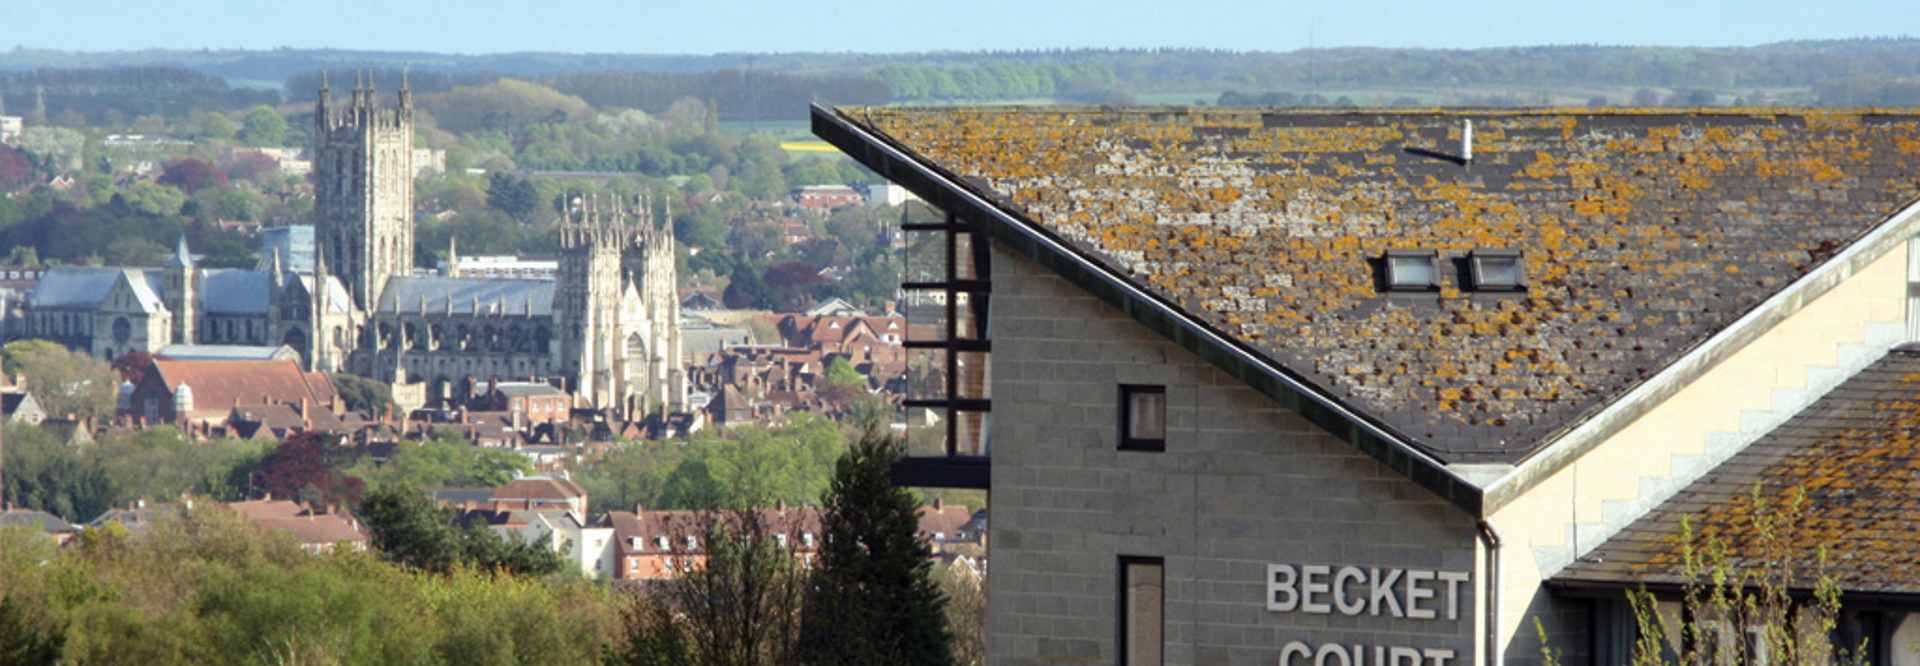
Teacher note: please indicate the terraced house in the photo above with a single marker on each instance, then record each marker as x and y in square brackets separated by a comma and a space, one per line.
[1255, 386]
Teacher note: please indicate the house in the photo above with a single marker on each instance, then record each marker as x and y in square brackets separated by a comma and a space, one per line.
[529, 401]
[826, 197]
[587, 547]
[58, 531]
[317, 532]
[140, 516]
[1297, 386]
[546, 510]
[657, 545]
[21, 407]
[205, 394]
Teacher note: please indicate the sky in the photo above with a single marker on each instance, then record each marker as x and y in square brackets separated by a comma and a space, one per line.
[875, 26]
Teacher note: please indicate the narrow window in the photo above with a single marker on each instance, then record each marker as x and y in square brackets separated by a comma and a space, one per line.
[1497, 270]
[1412, 270]
[1142, 620]
[1143, 418]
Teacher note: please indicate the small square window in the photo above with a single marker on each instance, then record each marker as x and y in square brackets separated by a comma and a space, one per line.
[1497, 270]
[1143, 418]
[1412, 270]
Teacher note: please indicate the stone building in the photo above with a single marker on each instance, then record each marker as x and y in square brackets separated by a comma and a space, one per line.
[1359, 387]
[606, 328]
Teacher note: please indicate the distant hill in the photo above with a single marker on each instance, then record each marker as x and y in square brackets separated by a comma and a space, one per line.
[1872, 72]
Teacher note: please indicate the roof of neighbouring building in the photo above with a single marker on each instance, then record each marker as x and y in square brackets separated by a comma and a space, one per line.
[1855, 454]
[223, 385]
[35, 520]
[467, 296]
[529, 390]
[1642, 234]
[226, 352]
[85, 287]
[237, 291]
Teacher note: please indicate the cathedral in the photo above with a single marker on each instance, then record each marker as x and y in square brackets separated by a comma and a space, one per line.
[606, 328]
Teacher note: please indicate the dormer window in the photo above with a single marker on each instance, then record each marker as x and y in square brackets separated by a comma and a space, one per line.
[806, 539]
[660, 542]
[1412, 270]
[1497, 270]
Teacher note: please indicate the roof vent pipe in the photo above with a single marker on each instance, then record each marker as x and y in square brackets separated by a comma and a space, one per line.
[1466, 143]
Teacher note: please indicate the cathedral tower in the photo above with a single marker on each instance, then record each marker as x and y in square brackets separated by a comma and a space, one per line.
[363, 190]
[616, 312]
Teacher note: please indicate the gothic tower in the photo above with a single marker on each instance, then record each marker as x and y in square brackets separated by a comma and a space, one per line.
[363, 190]
[617, 313]
[650, 353]
[587, 303]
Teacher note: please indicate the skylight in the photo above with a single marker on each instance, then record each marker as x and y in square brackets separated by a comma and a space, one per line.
[1497, 270]
[1412, 270]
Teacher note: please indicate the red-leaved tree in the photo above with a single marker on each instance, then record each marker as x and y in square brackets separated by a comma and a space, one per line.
[190, 174]
[298, 469]
[14, 168]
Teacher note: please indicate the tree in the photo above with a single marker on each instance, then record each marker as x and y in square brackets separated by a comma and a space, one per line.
[132, 366]
[301, 463]
[872, 599]
[362, 394]
[191, 175]
[255, 167]
[264, 127]
[216, 126]
[13, 167]
[741, 607]
[65, 382]
[512, 195]
[841, 382]
[1746, 571]
[408, 529]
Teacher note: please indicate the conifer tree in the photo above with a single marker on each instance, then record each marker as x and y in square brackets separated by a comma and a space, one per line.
[872, 598]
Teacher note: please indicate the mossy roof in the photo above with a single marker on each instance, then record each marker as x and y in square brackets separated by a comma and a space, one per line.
[1843, 476]
[1641, 234]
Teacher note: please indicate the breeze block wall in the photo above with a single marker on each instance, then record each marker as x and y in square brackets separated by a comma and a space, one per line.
[1243, 485]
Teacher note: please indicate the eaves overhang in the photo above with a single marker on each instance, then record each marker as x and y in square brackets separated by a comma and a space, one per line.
[1007, 225]
[1590, 432]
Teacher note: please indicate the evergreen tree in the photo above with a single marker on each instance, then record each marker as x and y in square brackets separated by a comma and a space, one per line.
[872, 599]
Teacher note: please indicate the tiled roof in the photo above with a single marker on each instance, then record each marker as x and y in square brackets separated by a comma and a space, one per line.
[529, 389]
[35, 520]
[539, 488]
[1855, 454]
[180, 352]
[1642, 234]
[223, 385]
[493, 297]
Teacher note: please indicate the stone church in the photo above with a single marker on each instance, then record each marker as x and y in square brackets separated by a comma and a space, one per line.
[606, 328]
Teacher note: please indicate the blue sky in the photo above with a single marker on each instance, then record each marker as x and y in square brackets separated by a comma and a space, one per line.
[725, 26]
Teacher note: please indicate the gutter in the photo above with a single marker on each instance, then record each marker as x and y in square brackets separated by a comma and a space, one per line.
[1012, 231]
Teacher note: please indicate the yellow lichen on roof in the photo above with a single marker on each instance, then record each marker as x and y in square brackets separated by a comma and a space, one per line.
[1642, 232]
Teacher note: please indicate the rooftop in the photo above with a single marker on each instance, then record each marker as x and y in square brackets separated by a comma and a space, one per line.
[1640, 234]
[1855, 454]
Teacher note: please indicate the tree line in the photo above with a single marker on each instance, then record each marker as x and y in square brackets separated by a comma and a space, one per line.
[204, 586]
[74, 97]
